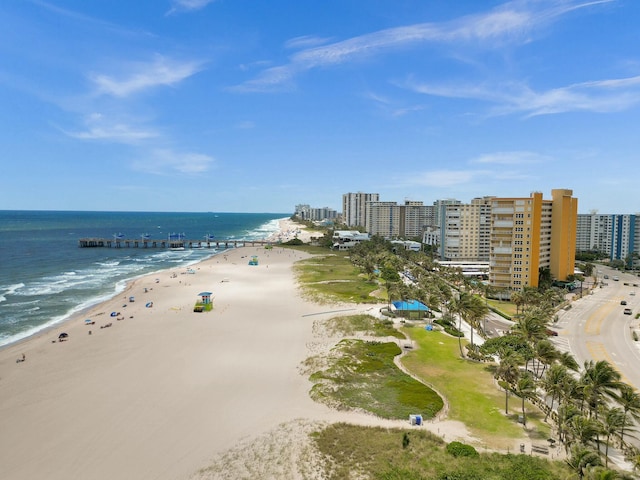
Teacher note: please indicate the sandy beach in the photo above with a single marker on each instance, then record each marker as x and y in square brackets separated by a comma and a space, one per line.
[165, 391]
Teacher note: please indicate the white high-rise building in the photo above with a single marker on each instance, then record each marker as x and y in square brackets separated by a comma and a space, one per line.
[617, 236]
[353, 208]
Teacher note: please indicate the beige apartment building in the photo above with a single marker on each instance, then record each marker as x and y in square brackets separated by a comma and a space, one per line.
[466, 231]
[390, 220]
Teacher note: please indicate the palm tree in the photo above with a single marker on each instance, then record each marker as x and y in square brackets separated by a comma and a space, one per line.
[553, 383]
[583, 430]
[459, 306]
[612, 424]
[476, 311]
[531, 328]
[566, 412]
[629, 400]
[546, 353]
[581, 459]
[599, 380]
[508, 370]
[569, 361]
[525, 389]
[518, 299]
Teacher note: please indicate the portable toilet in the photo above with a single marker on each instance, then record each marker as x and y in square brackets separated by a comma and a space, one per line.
[415, 419]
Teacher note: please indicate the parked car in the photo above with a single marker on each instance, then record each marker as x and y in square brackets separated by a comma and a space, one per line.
[615, 279]
[627, 311]
[623, 302]
[606, 277]
[552, 333]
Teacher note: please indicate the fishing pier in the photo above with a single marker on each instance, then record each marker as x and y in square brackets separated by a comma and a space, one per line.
[171, 243]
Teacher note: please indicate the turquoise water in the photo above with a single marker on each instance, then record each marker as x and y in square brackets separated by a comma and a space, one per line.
[45, 277]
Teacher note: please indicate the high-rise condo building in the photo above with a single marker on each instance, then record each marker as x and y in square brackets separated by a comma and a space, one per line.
[390, 220]
[383, 218]
[465, 230]
[614, 235]
[530, 234]
[353, 207]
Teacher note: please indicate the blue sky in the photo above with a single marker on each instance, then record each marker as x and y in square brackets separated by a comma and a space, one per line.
[256, 106]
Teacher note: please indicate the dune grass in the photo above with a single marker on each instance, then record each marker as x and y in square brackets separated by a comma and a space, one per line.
[332, 277]
[361, 375]
[362, 324]
[397, 454]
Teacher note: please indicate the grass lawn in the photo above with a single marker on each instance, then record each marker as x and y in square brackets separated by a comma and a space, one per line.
[468, 387]
[506, 307]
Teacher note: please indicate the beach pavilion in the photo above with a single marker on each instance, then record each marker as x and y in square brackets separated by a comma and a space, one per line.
[410, 308]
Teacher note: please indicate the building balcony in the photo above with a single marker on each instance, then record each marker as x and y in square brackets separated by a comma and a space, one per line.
[503, 224]
[502, 210]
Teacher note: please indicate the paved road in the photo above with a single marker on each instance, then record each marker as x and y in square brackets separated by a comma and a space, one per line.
[595, 328]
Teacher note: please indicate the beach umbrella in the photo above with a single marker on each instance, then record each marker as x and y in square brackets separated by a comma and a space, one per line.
[114, 314]
[149, 305]
[63, 335]
[88, 320]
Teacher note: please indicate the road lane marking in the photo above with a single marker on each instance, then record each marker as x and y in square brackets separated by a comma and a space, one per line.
[598, 352]
[594, 322]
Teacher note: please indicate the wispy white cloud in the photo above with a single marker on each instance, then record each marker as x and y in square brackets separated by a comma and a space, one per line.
[596, 96]
[140, 76]
[100, 128]
[498, 166]
[444, 178]
[188, 5]
[390, 107]
[511, 22]
[510, 158]
[170, 162]
[306, 41]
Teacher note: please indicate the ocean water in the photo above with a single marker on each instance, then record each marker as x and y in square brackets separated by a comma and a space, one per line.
[45, 277]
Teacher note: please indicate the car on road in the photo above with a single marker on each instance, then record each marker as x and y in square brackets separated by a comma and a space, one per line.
[623, 302]
[627, 311]
[615, 279]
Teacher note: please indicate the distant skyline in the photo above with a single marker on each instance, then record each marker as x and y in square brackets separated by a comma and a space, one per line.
[245, 106]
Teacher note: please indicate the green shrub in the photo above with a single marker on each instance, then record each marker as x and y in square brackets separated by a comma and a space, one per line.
[454, 332]
[458, 449]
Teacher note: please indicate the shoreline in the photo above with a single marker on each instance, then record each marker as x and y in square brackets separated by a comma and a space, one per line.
[85, 311]
[285, 226]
